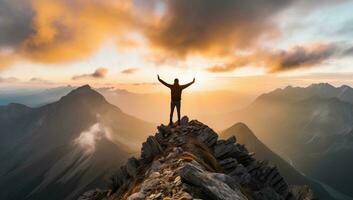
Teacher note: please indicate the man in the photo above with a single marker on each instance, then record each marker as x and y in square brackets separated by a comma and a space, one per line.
[175, 94]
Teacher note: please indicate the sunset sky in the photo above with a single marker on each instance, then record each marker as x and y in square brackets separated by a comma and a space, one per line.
[225, 44]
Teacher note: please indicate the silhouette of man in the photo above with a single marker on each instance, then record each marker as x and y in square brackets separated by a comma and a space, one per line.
[175, 94]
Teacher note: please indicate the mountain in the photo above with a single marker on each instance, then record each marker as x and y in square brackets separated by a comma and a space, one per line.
[34, 97]
[58, 150]
[141, 105]
[188, 161]
[311, 127]
[261, 152]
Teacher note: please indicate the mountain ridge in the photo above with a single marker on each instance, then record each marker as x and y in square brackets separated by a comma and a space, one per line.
[310, 126]
[64, 143]
[188, 161]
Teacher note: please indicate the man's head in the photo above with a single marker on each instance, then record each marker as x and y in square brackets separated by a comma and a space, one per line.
[176, 81]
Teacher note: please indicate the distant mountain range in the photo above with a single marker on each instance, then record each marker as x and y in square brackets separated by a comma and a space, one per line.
[60, 147]
[311, 127]
[59, 150]
[152, 107]
[261, 152]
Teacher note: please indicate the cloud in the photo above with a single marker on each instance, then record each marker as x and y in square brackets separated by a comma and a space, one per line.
[87, 139]
[98, 74]
[71, 30]
[145, 83]
[299, 56]
[36, 80]
[129, 70]
[60, 31]
[283, 60]
[15, 22]
[8, 80]
[214, 27]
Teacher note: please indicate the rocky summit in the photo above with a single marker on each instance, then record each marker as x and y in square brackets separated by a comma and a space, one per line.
[189, 161]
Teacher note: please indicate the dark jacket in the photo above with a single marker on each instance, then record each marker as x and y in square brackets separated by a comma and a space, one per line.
[175, 89]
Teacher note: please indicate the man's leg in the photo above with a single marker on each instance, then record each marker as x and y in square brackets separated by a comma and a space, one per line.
[172, 106]
[178, 110]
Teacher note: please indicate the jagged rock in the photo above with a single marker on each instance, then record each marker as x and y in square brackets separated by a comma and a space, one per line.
[174, 166]
[184, 121]
[137, 196]
[93, 195]
[150, 149]
[131, 166]
[228, 164]
[225, 149]
[156, 165]
[163, 131]
[208, 136]
[267, 193]
[232, 139]
[241, 173]
[213, 188]
[302, 192]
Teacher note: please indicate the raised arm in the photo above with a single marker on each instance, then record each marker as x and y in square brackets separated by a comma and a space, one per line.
[163, 82]
[187, 85]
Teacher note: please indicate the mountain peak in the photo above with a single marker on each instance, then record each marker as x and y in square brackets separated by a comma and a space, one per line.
[321, 86]
[188, 161]
[84, 92]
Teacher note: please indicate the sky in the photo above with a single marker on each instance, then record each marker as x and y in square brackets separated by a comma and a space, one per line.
[253, 45]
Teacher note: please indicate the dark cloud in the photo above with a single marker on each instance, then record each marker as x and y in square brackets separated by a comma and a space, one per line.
[215, 27]
[98, 74]
[283, 60]
[129, 70]
[300, 56]
[348, 51]
[15, 22]
[59, 31]
[51, 31]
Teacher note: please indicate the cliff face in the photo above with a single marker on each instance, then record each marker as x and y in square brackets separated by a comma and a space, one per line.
[190, 162]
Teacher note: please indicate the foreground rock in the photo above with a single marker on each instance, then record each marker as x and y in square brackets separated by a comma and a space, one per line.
[190, 162]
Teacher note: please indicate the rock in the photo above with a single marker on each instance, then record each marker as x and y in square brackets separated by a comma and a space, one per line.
[163, 131]
[150, 149]
[210, 186]
[232, 139]
[208, 136]
[137, 196]
[228, 164]
[231, 182]
[241, 173]
[225, 149]
[131, 166]
[174, 166]
[156, 165]
[184, 121]
[302, 192]
[266, 193]
[93, 195]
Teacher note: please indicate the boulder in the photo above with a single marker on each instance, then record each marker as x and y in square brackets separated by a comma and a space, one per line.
[150, 149]
[241, 173]
[228, 164]
[208, 136]
[266, 193]
[213, 188]
[184, 121]
[132, 166]
[302, 192]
